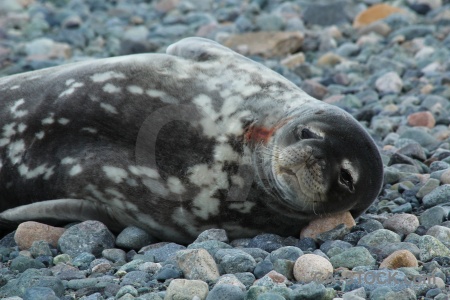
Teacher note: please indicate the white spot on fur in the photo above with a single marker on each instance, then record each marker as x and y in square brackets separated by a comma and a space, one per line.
[102, 77]
[204, 205]
[21, 128]
[63, 121]
[8, 130]
[36, 172]
[89, 129]
[224, 152]
[4, 142]
[143, 171]
[156, 187]
[156, 93]
[117, 175]
[242, 207]
[108, 108]
[209, 115]
[111, 88]
[15, 151]
[68, 160]
[237, 180]
[14, 87]
[230, 105]
[40, 135]
[202, 175]
[175, 185]
[49, 120]
[70, 81]
[134, 89]
[71, 89]
[75, 170]
[18, 113]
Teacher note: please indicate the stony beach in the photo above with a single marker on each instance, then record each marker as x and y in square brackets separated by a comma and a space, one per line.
[385, 62]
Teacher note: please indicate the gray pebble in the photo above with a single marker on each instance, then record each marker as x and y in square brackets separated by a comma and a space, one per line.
[134, 238]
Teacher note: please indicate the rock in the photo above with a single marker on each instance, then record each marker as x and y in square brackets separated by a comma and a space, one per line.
[378, 238]
[89, 236]
[197, 264]
[266, 44]
[232, 261]
[353, 257]
[45, 48]
[294, 60]
[374, 13]
[355, 294]
[439, 195]
[388, 249]
[231, 279]
[325, 13]
[311, 267]
[402, 223]
[441, 233]
[314, 89]
[183, 289]
[329, 59]
[433, 216]
[427, 188]
[327, 223]
[212, 234]
[134, 238]
[29, 232]
[40, 248]
[23, 263]
[399, 259]
[40, 293]
[267, 242]
[389, 83]
[430, 247]
[226, 292]
[163, 251]
[32, 278]
[288, 252]
[425, 119]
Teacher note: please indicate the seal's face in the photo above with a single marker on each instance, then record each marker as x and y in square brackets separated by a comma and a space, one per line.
[325, 162]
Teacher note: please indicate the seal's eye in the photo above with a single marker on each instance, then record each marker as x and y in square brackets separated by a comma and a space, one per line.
[346, 179]
[306, 133]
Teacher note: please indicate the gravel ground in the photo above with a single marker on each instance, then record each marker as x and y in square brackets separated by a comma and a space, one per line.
[388, 65]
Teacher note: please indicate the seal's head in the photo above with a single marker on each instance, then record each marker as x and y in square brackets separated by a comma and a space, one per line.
[323, 161]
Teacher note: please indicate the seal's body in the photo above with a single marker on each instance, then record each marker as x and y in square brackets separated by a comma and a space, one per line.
[176, 143]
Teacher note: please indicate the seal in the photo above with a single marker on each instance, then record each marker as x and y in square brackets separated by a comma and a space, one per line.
[199, 137]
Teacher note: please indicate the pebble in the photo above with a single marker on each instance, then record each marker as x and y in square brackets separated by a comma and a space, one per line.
[353, 257]
[183, 289]
[327, 223]
[374, 13]
[399, 259]
[232, 261]
[197, 264]
[134, 238]
[89, 236]
[439, 195]
[402, 223]
[379, 238]
[430, 247]
[311, 267]
[389, 83]
[29, 232]
[212, 234]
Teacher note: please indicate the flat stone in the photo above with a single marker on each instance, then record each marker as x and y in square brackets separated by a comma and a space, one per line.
[311, 267]
[183, 289]
[374, 13]
[327, 223]
[197, 264]
[423, 118]
[29, 232]
[399, 259]
[402, 223]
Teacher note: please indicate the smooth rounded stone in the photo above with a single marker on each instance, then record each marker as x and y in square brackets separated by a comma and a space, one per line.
[430, 247]
[324, 224]
[133, 238]
[370, 225]
[433, 216]
[311, 267]
[231, 279]
[285, 267]
[373, 279]
[136, 279]
[22, 263]
[183, 289]
[379, 293]
[164, 252]
[212, 246]
[32, 278]
[439, 195]
[348, 49]
[262, 268]
[67, 272]
[328, 245]
[127, 289]
[101, 268]
[438, 166]
[355, 294]
[423, 118]
[406, 294]
[257, 253]
[413, 31]
[311, 291]
[325, 13]
[234, 261]
[226, 292]
[246, 278]
[353, 257]
[389, 83]
[197, 264]
[378, 238]
[40, 293]
[272, 279]
[307, 244]
[402, 223]
[428, 187]
[255, 291]
[40, 248]
[115, 255]
[89, 236]
[83, 260]
[399, 259]
[267, 242]
[441, 233]
[212, 234]
[419, 135]
[150, 267]
[62, 259]
[388, 249]
[270, 296]
[167, 272]
[288, 252]
[314, 89]
[29, 232]
[132, 265]
[269, 22]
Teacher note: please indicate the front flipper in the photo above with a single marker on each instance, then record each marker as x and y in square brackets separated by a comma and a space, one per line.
[62, 210]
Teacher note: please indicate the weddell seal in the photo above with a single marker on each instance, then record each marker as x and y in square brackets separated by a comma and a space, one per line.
[200, 137]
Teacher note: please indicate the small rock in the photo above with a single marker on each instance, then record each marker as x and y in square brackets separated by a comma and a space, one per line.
[22, 263]
[427, 188]
[266, 44]
[389, 83]
[29, 232]
[40, 293]
[433, 216]
[89, 236]
[399, 259]
[134, 238]
[353, 257]
[212, 234]
[40, 248]
[311, 267]
[127, 289]
[288, 252]
[425, 119]
[45, 48]
[378, 238]
[314, 89]
[232, 261]
[402, 223]
[183, 289]
[197, 264]
[327, 223]
[374, 13]
[226, 292]
[430, 247]
[439, 195]
[294, 60]
[329, 59]
[441, 233]
[267, 242]
[163, 252]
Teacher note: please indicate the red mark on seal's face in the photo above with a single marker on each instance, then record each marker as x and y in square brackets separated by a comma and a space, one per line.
[259, 134]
